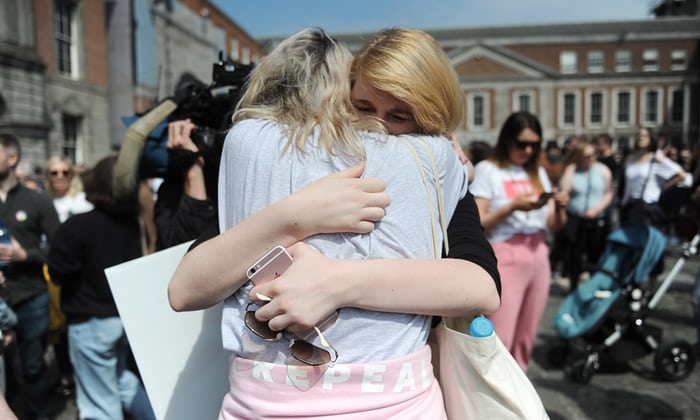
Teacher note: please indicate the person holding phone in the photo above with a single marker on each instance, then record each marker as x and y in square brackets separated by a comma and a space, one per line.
[511, 191]
[370, 302]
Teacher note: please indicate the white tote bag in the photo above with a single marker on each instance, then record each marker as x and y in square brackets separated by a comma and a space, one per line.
[480, 379]
[478, 376]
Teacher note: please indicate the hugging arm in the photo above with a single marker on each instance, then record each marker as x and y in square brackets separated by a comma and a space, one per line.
[465, 283]
[315, 286]
[215, 269]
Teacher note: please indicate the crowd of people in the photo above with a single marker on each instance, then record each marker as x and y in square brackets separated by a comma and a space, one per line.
[305, 166]
[653, 183]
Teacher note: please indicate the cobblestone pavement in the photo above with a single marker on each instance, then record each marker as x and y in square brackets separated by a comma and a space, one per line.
[625, 391]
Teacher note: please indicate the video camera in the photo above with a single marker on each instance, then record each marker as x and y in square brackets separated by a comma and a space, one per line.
[209, 107]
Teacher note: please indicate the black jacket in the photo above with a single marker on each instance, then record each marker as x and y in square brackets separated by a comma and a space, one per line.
[32, 220]
[180, 218]
[83, 247]
[468, 241]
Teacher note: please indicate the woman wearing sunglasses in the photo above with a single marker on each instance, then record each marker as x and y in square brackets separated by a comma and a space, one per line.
[69, 199]
[517, 207]
[65, 188]
[383, 313]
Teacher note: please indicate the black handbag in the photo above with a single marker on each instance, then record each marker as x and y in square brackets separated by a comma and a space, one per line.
[638, 211]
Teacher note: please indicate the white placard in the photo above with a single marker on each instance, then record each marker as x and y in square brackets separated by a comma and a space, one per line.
[179, 354]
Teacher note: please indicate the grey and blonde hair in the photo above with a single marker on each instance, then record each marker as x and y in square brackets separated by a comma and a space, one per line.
[305, 82]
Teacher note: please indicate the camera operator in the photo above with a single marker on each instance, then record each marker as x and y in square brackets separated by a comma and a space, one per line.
[198, 117]
[186, 206]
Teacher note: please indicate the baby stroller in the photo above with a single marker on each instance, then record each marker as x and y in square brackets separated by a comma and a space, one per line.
[608, 313]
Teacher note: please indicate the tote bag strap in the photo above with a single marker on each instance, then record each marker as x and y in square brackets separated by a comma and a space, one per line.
[438, 188]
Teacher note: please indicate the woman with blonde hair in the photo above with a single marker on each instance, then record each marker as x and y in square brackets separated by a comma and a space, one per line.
[276, 148]
[65, 188]
[410, 66]
[83, 246]
[589, 184]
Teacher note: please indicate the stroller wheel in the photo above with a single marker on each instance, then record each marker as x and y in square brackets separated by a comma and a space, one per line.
[582, 371]
[557, 355]
[675, 360]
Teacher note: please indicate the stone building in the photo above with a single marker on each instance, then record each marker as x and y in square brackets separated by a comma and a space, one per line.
[46, 92]
[167, 38]
[583, 78]
[71, 69]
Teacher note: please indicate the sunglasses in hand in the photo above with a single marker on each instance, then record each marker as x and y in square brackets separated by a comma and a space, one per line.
[301, 350]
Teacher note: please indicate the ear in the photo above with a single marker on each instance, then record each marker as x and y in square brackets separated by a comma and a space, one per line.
[12, 159]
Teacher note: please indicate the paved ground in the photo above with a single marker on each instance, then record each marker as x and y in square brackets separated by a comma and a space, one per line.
[620, 392]
[625, 391]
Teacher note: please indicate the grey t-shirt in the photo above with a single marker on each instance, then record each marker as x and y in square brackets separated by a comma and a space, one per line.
[256, 173]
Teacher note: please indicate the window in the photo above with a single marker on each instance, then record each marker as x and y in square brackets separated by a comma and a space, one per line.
[677, 106]
[478, 110]
[478, 118]
[524, 102]
[651, 106]
[623, 107]
[221, 42]
[245, 55]
[650, 59]
[679, 59]
[234, 49]
[568, 108]
[596, 109]
[64, 37]
[623, 111]
[72, 147]
[596, 61]
[567, 62]
[623, 61]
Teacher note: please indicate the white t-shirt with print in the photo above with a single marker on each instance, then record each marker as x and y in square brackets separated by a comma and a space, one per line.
[500, 186]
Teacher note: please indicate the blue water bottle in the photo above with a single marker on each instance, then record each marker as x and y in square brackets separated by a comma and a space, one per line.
[4, 239]
[480, 327]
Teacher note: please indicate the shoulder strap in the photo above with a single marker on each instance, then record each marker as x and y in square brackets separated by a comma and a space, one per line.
[441, 209]
[646, 180]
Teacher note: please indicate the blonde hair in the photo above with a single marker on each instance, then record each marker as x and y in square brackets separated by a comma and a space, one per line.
[76, 185]
[410, 65]
[304, 82]
[575, 157]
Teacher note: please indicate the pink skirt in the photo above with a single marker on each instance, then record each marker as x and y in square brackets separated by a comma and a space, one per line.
[402, 388]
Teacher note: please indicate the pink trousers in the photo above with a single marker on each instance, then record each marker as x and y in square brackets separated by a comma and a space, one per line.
[402, 388]
[523, 263]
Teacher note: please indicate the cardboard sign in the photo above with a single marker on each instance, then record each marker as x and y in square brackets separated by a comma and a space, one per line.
[179, 354]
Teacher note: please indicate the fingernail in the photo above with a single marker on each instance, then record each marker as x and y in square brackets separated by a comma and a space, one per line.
[262, 297]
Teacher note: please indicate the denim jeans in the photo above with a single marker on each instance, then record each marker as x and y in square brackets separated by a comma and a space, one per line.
[104, 386]
[32, 324]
